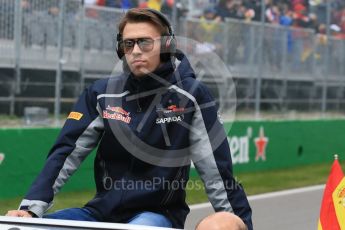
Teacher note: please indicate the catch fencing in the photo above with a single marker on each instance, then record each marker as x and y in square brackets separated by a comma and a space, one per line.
[297, 68]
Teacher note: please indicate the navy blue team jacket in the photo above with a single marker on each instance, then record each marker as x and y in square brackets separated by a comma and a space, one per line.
[147, 130]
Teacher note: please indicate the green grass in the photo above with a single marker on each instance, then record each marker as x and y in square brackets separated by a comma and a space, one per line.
[253, 183]
[274, 180]
[260, 182]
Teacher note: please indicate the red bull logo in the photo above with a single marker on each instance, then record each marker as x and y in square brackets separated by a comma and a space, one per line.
[116, 113]
[118, 110]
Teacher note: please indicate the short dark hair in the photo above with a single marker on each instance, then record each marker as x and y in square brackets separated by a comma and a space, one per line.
[137, 15]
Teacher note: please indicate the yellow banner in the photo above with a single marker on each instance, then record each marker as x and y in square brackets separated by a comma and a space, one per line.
[339, 203]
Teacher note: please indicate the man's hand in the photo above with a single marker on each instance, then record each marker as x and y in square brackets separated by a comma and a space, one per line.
[18, 213]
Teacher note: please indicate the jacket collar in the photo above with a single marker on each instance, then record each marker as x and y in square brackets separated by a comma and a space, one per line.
[165, 75]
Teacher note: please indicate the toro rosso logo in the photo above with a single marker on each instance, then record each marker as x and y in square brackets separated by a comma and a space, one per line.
[116, 113]
[170, 109]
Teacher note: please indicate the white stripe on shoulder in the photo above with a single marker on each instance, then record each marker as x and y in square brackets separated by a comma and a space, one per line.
[204, 159]
[113, 95]
[86, 142]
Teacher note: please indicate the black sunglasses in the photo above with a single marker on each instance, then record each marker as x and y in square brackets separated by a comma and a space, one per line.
[145, 44]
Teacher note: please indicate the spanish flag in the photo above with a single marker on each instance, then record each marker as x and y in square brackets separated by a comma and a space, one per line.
[332, 213]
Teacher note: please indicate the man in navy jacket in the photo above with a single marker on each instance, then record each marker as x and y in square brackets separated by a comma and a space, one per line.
[149, 124]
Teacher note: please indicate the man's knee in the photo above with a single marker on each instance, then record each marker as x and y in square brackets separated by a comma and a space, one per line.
[221, 221]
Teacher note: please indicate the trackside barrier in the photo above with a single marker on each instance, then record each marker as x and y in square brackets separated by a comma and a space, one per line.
[255, 146]
[265, 145]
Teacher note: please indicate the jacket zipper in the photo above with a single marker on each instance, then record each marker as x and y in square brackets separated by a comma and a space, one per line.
[170, 194]
[105, 173]
[138, 102]
[130, 168]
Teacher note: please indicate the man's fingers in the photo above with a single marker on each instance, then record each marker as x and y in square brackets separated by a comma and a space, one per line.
[26, 215]
[12, 213]
[18, 213]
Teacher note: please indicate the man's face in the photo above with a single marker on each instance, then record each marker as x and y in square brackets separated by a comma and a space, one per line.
[145, 59]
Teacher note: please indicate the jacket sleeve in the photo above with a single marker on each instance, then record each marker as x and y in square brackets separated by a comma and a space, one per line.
[78, 137]
[212, 159]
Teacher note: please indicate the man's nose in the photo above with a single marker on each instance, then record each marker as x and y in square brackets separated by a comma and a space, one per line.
[136, 49]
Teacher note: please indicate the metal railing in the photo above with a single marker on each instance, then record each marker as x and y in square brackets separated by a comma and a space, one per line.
[287, 52]
[295, 65]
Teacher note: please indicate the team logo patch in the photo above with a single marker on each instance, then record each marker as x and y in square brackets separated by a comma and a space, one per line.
[116, 113]
[170, 114]
[2, 157]
[75, 116]
[164, 120]
[171, 109]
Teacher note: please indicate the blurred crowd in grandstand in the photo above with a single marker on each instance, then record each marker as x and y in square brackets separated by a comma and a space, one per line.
[296, 13]
[40, 19]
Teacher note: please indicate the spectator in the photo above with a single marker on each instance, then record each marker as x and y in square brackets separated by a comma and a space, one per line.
[299, 2]
[272, 45]
[321, 36]
[286, 17]
[272, 14]
[314, 22]
[286, 21]
[249, 15]
[337, 32]
[154, 4]
[26, 6]
[208, 31]
[142, 4]
[339, 18]
[101, 2]
[114, 3]
[241, 12]
[122, 4]
[91, 12]
[302, 47]
[319, 8]
[300, 17]
[90, 2]
[210, 15]
[254, 5]
[230, 9]
[167, 9]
